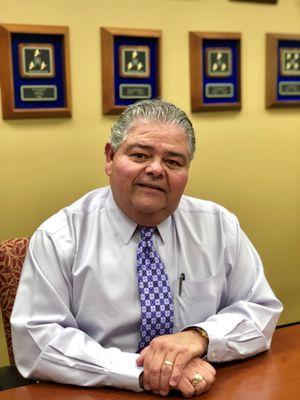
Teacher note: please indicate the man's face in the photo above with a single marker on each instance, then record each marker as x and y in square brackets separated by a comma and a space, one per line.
[149, 171]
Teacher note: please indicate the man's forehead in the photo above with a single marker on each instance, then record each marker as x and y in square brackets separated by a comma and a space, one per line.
[157, 130]
[151, 139]
[142, 126]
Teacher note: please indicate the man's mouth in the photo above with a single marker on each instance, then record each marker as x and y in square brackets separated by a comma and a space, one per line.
[152, 186]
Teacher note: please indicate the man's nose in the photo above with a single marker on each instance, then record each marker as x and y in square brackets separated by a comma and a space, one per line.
[155, 167]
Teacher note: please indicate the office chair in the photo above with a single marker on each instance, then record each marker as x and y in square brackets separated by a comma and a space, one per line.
[12, 254]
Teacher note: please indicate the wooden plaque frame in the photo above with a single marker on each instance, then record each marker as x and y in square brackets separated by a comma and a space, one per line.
[10, 111]
[259, 1]
[272, 70]
[196, 68]
[107, 36]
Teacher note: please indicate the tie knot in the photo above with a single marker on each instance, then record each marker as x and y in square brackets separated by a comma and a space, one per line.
[146, 231]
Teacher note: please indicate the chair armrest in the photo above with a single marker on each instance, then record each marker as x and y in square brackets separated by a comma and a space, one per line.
[10, 377]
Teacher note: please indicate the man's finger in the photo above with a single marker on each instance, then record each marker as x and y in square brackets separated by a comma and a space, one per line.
[201, 387]
[209, 368]
[165, 373]
[208, 379]
[186, 388]
[148, 356]
[155, 371]
[183, 357]
[140, 359]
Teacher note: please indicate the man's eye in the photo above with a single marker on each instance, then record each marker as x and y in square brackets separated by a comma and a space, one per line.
[173, 163]
[138, 156]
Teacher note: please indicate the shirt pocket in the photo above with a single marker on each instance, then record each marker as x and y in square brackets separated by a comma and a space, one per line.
[198, 300]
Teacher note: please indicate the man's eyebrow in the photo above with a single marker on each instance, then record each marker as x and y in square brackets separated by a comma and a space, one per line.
[139, 145]
[150, 148]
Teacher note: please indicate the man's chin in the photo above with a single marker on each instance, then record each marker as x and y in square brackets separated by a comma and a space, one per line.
[149, 208]
[148, 213]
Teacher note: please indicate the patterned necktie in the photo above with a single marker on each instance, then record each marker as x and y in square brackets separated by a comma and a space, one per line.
[157, 313]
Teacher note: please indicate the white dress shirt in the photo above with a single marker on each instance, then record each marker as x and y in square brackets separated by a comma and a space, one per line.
[76, 317]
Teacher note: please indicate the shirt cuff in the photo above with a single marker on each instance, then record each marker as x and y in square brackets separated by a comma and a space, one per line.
[231, 338]
[126, 373]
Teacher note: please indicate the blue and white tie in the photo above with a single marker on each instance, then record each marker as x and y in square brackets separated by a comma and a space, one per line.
[157, 312]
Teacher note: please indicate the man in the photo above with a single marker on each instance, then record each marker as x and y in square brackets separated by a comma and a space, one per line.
[134, 284]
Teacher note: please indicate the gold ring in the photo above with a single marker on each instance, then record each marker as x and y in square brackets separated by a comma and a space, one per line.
[167, 362]
[197, 379]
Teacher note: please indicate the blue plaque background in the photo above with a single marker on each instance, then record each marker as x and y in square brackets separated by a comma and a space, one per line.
[234, 46]
[58, 79]
[286, 78]
[152, 43]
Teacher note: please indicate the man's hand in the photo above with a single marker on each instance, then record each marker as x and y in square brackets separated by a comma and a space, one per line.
[179, 349]
[196, 366]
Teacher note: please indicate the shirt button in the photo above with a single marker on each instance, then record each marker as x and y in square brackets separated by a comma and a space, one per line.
[213, 356]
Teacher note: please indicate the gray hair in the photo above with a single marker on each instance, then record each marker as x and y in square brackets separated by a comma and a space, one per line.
[152, 111]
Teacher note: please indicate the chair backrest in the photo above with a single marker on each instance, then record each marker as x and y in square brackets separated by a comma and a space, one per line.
[12, 254]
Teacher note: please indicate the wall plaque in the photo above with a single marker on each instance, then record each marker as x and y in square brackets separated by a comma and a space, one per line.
[215, 71]
[259, 1]
[130, 67]
[35, 71]
[282, 70]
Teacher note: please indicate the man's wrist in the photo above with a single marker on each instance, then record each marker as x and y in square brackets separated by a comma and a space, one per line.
[204, 336]
[202, 332]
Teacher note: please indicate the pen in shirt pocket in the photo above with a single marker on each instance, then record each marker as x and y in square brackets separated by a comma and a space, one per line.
[181, 279]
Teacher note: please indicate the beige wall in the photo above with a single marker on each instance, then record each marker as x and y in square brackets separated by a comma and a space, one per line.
[248, 161]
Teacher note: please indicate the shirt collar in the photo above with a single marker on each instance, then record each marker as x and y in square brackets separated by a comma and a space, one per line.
[122, 223]
[165, 229]
[126, 227]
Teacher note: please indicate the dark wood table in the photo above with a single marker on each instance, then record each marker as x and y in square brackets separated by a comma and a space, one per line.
[273, 375]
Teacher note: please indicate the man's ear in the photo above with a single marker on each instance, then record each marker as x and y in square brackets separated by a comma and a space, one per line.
[109, 156]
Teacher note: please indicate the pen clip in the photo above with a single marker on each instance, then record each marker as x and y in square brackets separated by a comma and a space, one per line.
[181, 279]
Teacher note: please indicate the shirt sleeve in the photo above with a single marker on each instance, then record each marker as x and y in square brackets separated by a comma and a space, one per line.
[48, 343]
[245, 325]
